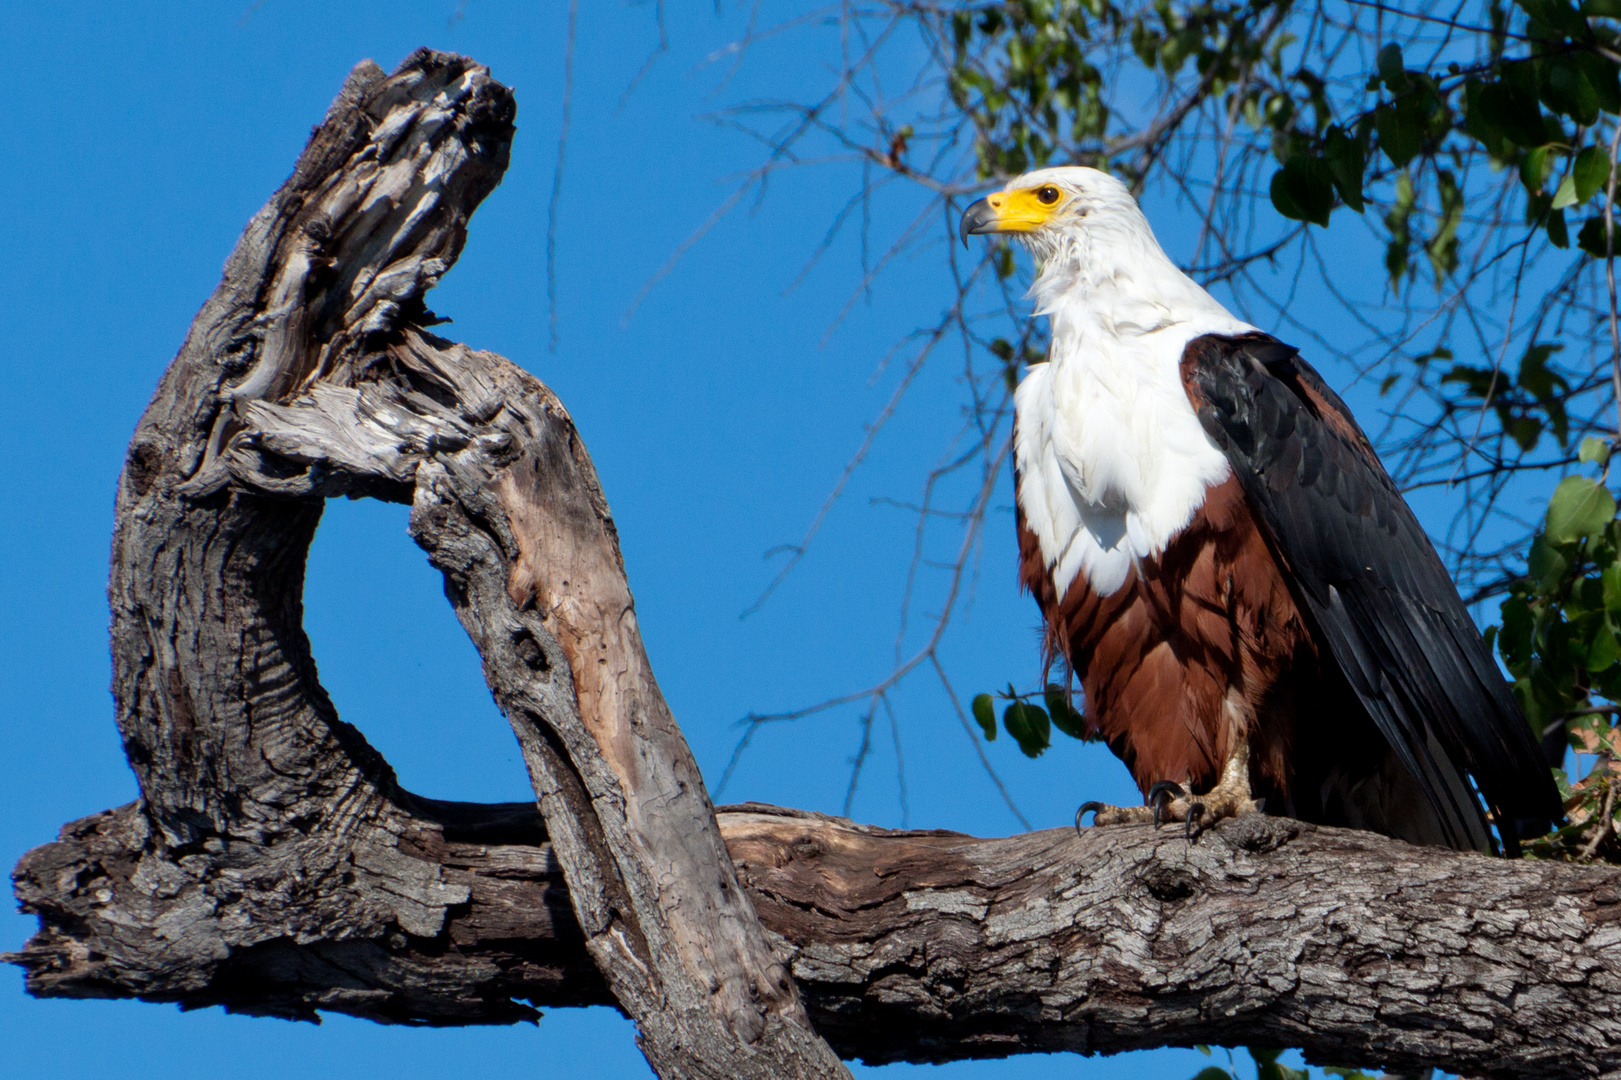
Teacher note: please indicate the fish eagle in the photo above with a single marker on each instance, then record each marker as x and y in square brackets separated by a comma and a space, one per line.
[1252, 611]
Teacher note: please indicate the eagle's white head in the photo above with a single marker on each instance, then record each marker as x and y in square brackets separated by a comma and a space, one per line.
[1111, 459]
[1050, 209]
[1094, 247]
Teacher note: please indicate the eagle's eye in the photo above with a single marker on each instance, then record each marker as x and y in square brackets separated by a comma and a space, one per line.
[1048, 195]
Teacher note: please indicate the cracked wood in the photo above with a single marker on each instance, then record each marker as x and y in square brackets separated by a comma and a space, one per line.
[934, 946]
[265, 823]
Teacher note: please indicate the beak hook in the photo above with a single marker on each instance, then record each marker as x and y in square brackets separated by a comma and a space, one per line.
[977, 219]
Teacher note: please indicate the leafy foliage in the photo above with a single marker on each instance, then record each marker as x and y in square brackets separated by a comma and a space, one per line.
[1533, 404]
[1028, 722]
[1560, 638]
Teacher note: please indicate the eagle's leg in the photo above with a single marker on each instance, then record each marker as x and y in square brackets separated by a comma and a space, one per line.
[1167, 801]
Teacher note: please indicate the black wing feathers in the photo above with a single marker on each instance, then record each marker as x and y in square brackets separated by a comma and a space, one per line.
[1372, 583]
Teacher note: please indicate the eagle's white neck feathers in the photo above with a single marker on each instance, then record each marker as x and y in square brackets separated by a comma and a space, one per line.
[1112, 460]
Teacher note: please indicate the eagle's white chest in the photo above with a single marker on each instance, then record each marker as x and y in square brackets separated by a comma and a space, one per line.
[1112, 460]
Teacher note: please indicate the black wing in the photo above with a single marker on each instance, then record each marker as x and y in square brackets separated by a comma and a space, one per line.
[1372, 583]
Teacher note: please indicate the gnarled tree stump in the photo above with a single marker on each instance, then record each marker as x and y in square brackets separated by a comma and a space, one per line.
[273, 865]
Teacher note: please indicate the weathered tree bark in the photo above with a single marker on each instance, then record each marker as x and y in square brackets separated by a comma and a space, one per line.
[273, 865]
[933, 946]
[263, 818]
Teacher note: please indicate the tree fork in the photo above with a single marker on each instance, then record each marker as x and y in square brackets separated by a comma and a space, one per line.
[307, 375]
[273, 865]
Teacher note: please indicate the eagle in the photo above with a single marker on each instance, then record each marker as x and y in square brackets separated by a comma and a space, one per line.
[1252, 611]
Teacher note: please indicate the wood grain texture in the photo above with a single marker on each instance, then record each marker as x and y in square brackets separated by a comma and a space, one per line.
[934, 946]
[265, 823]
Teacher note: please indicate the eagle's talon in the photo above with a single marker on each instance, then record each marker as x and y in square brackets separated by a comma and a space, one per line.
[1087, 807]
[1195, 822]
[1167, 801]
[1160, 797]
[1166, 787]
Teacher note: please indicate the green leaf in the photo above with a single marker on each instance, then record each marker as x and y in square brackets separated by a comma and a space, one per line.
[1526, 431]
[1346, 164]
[1401, 133]
[1508, 109]
[1514, 636]
[1567, 91]
[1591, 237]
[1604, 76]
[1565, 194]
[1610, 588]
[1267, 1067]
[1064, 715]
[1579, 508]
[1442, 247]
[1392, 69]
[1546, 564]
[1210, 1072]
[1537, 207]
[1535, 166]
[985, 713]
[1586, 599]
[1558, 231]
[1303, 189]
[1544, 383]
[1555, 15]
[1029, 726]
[1398, 221]
[1004, 261]
[1592, 172]
[1594, 451]
[1282, 1072]
[1475, 120]
[1477, 381]
[962, 27]
[1602, 651]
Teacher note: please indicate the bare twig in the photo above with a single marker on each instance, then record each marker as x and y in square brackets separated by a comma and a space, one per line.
[557, 177]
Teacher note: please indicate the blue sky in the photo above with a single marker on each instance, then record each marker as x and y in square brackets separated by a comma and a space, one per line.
[719, 414]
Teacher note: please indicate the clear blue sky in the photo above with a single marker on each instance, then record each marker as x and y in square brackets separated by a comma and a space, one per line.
[141, 139]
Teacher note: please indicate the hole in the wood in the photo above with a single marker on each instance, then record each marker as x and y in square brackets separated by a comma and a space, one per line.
[397, 663]
[529, 651]
[1169, 884]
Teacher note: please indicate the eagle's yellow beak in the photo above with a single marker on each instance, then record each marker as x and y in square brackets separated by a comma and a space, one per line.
[1010, 212]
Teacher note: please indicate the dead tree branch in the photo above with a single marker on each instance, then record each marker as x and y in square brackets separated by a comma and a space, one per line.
[933, 946]
[263, 818]
[272, 864]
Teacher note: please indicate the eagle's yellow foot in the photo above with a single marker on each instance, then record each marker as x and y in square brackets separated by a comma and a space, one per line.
[1167, 801]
